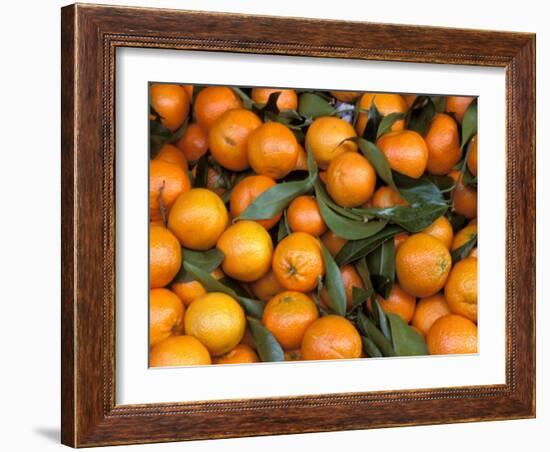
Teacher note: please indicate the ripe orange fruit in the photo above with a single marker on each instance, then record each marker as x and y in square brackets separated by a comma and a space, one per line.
[287, 100]
[287, 316]
[428, 310]
[166, 181]
[461, 288]
[464, 236]
[298, 263]
[472, 156]
[241, 354]
[166, 313]
[228, 138]
[458, 105]
[387, 197]
[351, 279]
[194, 142]
[452, 334]
[473, 253]
[266, 287]
[301, 161]
[191, 290]
[217, 320]
[304, 216]
[406, 152]
[422, 264]
[164, 256]
[346, 96]
[247, 249]
[409, 99]
[189, 91]
[399, 302]
[464, 198]
[212, 102]
[385, 104]
[399, 239]
[171, 103]
[325, 135]
[245, 193]
[171, 154]
[350, 179]
[332, 242]
[272, 150]
[198, 218]
[179, 351]
[331, 337]
[443, 144]
[442, 230]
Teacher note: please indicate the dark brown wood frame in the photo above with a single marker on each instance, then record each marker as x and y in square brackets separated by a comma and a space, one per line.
[90, 36]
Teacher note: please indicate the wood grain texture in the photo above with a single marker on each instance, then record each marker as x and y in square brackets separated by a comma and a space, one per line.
[90, 36]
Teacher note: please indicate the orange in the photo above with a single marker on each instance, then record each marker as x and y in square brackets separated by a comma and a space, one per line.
[287, 316]
[443, 144]
[164, 256]
[332, 242]
[464, 198]
[406, 152]
[194, 142]
[458, 105]
[217, 320]
[166, 182]
[228, 138]
[472, 156]
[442, 230]
[179, 351]
[350, 179]
[171, 154]
[427, 311]
[191, 290]
[385, 104]
[399, 302]
[293, 355]
[188, 90]
[399, 239]
[325, 135]
[171, 103]
[304, 216]
[248, 339]
[409, 99]
[301, 161]
[461, 288]
[422, 264]
[346, 96]
[464, 236]
[387, 197]
[298, 263]
[215, 181]
[246, 192]
[212, 102]
[166, 313]
[266, 287]
[198, 218]
[241, 354]
[331, 337]
[247, 249]
[452, 334]
[473, 253]
[287, 100]
[272, 150]
[351, 279]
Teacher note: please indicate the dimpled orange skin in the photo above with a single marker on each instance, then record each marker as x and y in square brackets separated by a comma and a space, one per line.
[325, 136]
[461, 288]
[298, 262]
[198, 218]
[331, 337]
[171, 103]
[472, 156]
[189, 291]
[189, 91]
[266, 287]
[287, 316]
[443, 144]
[458, 105]
[442, 230]
[464, 198]
[241, 354]
[428, 310]
[272, 150]
[245, 193]
[287, 100]
[350, 179]
[166, 181]
[228, 138]
[247, 249]
[422, 264]
[452, 334]
[385, 104]
[346, 96]
[464, 236]
[332, 242]
[171, 154]
[212, 102]
[304, 216]
[351, 279]
[194, 142]
[387, 197]
[406, 152]
[164, 256]
[179, 351]
[399, 302]
[166, 313]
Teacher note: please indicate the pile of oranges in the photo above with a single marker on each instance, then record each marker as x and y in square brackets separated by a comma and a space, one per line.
[295, 224]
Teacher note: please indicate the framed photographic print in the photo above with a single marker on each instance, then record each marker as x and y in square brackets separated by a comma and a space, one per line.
[282, 225]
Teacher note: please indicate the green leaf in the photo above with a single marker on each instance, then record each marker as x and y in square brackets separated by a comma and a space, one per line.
[201, 176]
[469, 123]
[312, 106]
[370, 348]
[373, 122]
[284, 229]
[363, 270]
[248, 103]
[416, 191]
[439, 103]
[369, 329]
[334, 284]
[381, 318]
[387, 123]
[205, 260]
[463, 251]
[381, 264]
[267, 346]
[406, 341]
[377, 159]
[411, 218]
[359, 296]
[420, 114]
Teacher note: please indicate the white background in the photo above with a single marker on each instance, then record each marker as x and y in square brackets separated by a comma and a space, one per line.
[29, 382]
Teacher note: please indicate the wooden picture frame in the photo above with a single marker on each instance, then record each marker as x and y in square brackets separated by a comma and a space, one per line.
[90, 36]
